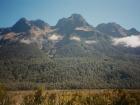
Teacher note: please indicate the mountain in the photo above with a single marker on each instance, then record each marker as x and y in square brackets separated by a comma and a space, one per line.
[112, 29]
[71, 54]
[24, 25]
[133, 31]
[115, 30]
[40, 24]
[76, 20]
[25, 31]
[67, 25]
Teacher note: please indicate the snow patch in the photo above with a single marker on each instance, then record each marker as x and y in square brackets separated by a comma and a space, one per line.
[129, 41]
[83, 28]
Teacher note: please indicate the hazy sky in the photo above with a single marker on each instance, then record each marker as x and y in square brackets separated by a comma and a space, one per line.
[124, 12]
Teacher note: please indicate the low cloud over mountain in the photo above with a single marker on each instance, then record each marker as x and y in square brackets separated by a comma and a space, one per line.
[128, 41]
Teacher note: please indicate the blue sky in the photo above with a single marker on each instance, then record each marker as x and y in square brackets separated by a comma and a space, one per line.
[124, 12]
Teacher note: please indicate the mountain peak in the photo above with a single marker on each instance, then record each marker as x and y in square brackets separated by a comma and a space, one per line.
[39, 23]
[112, 28]
[23, 19]
[133, 31]
[22, 25]
[76, 16]
[67, 25]
[78, 20]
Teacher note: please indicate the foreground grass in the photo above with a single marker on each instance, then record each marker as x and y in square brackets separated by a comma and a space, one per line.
[70, 97]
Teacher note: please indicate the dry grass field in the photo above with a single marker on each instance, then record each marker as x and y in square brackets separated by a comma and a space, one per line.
[76, 97]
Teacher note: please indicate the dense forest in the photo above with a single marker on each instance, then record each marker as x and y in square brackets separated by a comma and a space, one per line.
[27, 69]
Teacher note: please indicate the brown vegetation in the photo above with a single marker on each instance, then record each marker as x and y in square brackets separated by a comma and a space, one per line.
[70, 97]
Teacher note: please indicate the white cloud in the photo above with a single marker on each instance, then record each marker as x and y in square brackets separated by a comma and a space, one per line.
[129, 41]
[26, 41]
[90, 41]
[55, 37]
[83, 28]
[75, 38]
